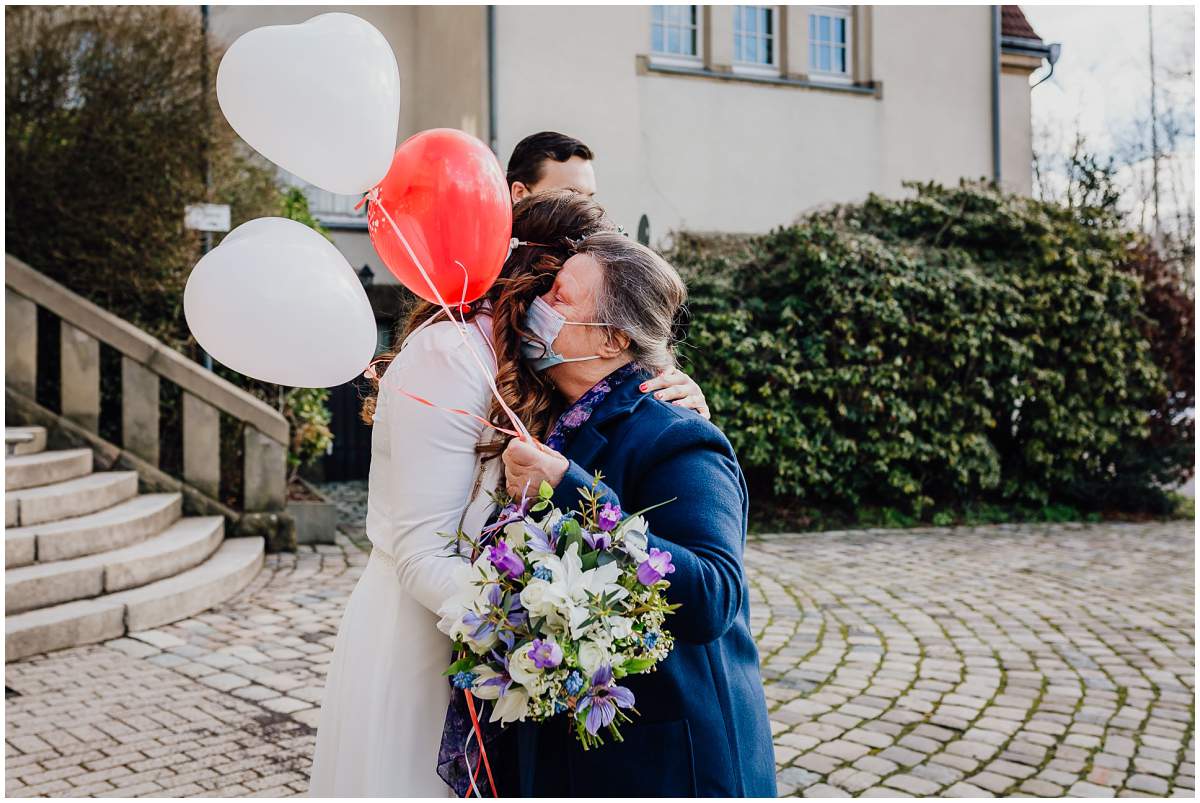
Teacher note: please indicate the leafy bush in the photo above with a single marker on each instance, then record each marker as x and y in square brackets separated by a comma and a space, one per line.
[110, 126]
[955, 348]
[108, 129]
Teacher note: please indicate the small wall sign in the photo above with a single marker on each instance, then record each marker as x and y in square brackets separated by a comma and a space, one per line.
[206, 217]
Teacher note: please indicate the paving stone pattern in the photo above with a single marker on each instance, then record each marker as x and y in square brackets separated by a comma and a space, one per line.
[1039, 660]
[1014, 660]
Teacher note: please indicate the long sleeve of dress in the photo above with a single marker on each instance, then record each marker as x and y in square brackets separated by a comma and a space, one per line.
[433, 461]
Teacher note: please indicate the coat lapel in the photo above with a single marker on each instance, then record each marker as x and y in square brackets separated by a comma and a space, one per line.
[590, 439]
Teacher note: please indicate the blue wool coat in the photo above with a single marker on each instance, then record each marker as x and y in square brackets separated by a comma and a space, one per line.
[701, 727]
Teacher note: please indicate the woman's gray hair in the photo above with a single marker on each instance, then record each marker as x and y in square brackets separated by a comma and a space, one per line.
[641, 295]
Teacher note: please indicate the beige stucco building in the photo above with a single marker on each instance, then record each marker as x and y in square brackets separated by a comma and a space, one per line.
[730, 118]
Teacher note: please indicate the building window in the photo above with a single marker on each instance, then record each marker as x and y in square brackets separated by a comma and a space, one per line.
[754, 37]
[336, 211]
[829, 43]
[675, 33]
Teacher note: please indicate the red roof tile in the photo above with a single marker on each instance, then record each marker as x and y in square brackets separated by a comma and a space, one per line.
[1013, 23]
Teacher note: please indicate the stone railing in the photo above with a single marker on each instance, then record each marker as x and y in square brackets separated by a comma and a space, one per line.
[145, 362]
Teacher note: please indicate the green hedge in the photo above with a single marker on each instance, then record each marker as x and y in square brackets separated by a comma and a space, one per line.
[958, 347]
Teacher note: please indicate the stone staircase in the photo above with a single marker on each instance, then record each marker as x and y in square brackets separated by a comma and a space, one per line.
[88, 558]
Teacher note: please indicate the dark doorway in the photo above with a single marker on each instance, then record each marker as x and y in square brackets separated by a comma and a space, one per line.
[351, 455]
[350, 458]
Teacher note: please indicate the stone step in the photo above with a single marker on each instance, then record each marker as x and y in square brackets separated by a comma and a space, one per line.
[116, 527]
[45, 468]
[64, 500]
[220, 577]
[225, 573]
[24, 440]
[181, 546]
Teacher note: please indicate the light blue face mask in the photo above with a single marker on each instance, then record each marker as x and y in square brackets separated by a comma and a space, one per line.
[544, 323]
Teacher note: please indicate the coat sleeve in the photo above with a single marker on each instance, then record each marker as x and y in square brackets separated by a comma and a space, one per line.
[703, 528]
[433, 459]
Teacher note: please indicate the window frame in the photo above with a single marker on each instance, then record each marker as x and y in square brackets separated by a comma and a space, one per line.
[679, 59]
[833, 12]
[328, 208]
[774, 68]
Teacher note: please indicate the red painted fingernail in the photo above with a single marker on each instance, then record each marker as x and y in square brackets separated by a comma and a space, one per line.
[643, 386]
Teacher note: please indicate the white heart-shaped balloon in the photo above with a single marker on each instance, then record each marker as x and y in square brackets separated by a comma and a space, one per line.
[320, 99]
[276, 301]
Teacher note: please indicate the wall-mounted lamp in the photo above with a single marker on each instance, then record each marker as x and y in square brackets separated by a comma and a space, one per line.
[366, 276]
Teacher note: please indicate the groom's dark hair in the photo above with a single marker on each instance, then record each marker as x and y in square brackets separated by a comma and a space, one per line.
[525, 164]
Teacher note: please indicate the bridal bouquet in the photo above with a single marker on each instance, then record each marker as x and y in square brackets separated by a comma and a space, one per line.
[555, 609]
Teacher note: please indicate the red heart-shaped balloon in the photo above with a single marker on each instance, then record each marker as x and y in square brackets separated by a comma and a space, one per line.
[447, 196]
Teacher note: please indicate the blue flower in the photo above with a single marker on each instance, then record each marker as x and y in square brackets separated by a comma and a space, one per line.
[574, 683]
[464, 680]
[542, 573]
[650, 639]
[560, 706]
[603, 700]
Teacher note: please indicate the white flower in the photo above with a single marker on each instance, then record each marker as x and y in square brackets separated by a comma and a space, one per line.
[523, 671]
[633, 534]
[514, 534]
[592, 656]
[621, 627]
[535, 591]
[573, 582]
[453, 609]
[484, 672]
[513, 706]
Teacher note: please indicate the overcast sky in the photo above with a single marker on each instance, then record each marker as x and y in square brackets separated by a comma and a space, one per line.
[1101, 85]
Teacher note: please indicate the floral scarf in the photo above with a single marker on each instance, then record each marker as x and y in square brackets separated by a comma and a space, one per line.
[578, 413]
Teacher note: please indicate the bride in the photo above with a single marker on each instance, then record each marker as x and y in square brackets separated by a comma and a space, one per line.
[385, 697]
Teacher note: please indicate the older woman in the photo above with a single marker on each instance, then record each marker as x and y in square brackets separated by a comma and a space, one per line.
[385, 700]
[601, 330]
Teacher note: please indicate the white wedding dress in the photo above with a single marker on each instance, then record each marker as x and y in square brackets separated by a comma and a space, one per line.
[385, 696]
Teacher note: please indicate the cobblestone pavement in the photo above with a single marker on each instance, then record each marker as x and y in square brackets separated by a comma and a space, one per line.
[1014, 660]
[1021, 660]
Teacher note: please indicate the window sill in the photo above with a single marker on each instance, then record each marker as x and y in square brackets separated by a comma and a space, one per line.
[333, 220]
[756, 70]
[670, 62]
[648, 67]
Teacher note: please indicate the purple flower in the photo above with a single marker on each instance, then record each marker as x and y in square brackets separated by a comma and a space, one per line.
[501, 619]
[502, 679]
[545, 654]
[654, 568]
[599, 541]
[515, 511]
[483, 626]
[610, 517]
[602, 700]
[505, 560]
[539, 539]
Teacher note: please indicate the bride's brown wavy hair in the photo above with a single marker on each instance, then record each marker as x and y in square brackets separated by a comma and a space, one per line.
[549, 224]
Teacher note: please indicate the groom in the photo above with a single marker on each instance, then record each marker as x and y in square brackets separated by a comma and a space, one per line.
[549, 160]
[701, 729]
